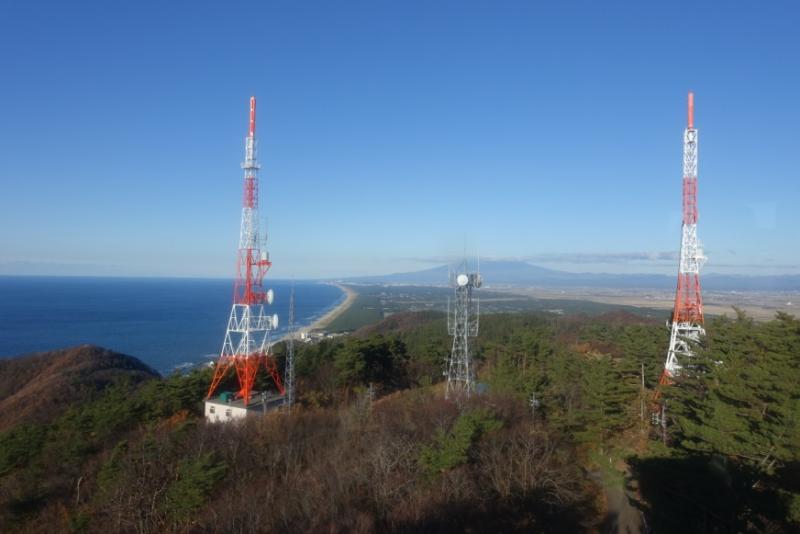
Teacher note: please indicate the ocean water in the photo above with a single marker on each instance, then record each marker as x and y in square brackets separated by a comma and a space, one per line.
[167, 323]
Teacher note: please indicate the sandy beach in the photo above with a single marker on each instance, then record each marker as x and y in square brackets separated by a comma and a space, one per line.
[325, 320]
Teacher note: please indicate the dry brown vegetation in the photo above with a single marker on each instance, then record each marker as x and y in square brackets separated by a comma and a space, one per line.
[123, 456]
[358, 469]
[41, 386]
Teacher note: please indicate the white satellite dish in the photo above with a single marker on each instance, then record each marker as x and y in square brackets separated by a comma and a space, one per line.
[462, 279]
[478, 280]
[270, 297]
[275, 321]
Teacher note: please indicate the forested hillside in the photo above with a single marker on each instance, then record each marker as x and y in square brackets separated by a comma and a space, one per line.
[560, 441]
[39, 387]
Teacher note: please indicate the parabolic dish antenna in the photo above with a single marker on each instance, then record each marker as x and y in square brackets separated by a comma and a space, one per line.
[462, 280]
[270, 297]
[275, 321]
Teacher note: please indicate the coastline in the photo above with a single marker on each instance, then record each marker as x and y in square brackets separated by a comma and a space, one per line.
[325, 320]
[320, 324]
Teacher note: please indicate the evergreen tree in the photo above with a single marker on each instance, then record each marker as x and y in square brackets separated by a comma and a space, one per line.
[609, 392]
[376, 359]
[646, 345]
[519, 364]
[739, 397]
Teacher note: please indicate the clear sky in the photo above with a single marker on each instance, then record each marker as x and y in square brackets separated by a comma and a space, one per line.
[395, 134]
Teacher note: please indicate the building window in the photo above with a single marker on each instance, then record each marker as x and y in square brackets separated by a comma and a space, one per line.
[228, 412]
[211, 410]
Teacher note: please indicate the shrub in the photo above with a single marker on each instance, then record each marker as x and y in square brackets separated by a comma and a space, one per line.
[452, 448]
[195, 480]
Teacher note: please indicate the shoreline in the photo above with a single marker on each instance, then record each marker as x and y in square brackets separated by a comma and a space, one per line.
[325, 320]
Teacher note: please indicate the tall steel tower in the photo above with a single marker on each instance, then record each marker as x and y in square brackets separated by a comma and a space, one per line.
[462, 324]
[687, 317]
[289, 372]
[246, 345]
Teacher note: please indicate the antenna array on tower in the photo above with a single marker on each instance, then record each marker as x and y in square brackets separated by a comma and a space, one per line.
[246, 345]
[686, 326]
[462, 324]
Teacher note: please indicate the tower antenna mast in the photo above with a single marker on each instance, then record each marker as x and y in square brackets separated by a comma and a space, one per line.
[246, 345]
[289, 372]
[462, 325]
[686, 326]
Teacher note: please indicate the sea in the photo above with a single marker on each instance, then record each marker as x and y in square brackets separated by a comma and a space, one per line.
[169, 323]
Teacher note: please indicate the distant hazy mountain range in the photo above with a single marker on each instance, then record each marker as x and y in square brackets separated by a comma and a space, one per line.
[520, 273]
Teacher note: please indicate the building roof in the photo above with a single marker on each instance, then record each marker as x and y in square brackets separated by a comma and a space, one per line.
[228, 399]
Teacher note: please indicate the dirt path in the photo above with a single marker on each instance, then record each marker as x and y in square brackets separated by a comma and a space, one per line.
[622, 517]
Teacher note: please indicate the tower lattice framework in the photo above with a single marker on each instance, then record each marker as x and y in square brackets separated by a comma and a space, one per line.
[686, 327]
[246, 344]
[289, 371]
[462, 324]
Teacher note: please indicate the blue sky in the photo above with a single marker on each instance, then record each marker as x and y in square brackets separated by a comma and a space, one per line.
[396, 134]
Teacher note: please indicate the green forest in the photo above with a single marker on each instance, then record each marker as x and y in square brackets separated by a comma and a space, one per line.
[559, 439]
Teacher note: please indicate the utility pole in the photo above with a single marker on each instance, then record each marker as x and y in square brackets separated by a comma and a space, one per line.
[534, 403]
[641, 396]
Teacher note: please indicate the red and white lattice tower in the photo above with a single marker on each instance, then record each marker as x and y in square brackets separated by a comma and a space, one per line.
[246, 346]
[687, 317]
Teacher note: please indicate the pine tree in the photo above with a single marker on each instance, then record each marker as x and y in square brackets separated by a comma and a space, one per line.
[646, 345]
[609, 393]
[740, 396]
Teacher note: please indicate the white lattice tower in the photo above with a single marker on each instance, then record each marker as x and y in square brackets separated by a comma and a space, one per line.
[462, 324]
[289, 372]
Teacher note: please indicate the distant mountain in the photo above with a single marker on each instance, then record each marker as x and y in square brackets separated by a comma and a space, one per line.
[38, 387]
[520, 273]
